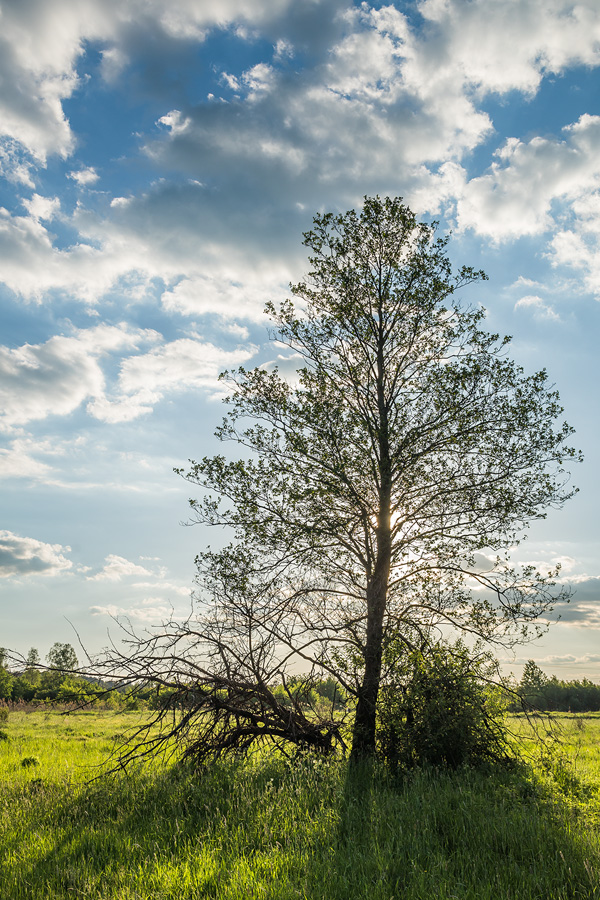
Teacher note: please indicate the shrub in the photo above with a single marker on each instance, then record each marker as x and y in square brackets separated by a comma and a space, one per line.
[439, 707]
[4, 735]
[28, 761]
[3, 714]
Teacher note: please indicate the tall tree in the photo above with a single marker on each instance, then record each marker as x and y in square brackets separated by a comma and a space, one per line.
[385, 483]
[409, 446]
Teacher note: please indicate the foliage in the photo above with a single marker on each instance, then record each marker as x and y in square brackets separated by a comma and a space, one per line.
[29, 681]
[384, 487]
[61, 657]
[439, 706]
[6, 684]
[538, 691]
[532, 683]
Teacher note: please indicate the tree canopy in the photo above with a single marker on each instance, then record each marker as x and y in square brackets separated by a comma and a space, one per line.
[382, 488]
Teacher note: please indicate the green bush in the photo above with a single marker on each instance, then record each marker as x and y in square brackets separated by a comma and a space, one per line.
[438, 707]
[3, 714]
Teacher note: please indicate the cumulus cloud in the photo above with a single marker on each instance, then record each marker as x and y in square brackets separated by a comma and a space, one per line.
[28, 556]
[352, 120]
[33, 266]
[583, 611]
[172, 234]
[202, 294]
[116, 568]
[165, 586]
[38, 74]
[54, 378]
[85, 176]
[380, 103]
[469, 41]
[579, 246]
[540, 308]
[515, 197]
[568, 659]
[42, 207]
[57, 377]
[180, 365]
[21, 459]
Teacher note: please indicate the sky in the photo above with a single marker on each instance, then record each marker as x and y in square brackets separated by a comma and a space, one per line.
[159, 162]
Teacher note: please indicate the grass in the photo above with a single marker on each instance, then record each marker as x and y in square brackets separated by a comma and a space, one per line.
[265, 828]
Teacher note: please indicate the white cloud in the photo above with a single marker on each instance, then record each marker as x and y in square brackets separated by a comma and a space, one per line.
[203, 295]
[38, 74]
[42, 207]
[283, 49]
[515, 197]
[260, 79]
[351, 122]
[27, 556]
[528, 283]
[583, 609]
[137, 613]
[374, 55]
[180, 365]
[141, 614]
[13, 166]
[498, 47]
[169, 234]
[564, 659]
[165, 586]
[19, 460]
[116, 568]
[579, 246]
[175, 121]
[57, 377]
[539, 306]
[32, 266]
[54, 378]
[85, 176]
[382, 105]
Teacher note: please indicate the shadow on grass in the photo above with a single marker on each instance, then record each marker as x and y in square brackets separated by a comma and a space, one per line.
[321, 832]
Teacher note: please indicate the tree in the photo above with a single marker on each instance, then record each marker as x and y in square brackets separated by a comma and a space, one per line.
[384, 486]
[6, 679]
[61, 657]
[25, 686]
[32, 660]
[532, 684]
[62, 661]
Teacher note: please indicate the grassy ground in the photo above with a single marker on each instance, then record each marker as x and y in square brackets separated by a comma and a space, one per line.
[269, 829]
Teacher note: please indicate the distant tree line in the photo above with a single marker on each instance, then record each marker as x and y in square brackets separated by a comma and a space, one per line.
[55, 681]
[539, 691]
[58, 681]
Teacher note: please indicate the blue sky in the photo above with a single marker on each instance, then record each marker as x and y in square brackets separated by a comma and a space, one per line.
[158, 164]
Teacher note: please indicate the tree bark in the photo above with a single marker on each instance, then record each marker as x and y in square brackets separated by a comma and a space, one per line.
[363, 738]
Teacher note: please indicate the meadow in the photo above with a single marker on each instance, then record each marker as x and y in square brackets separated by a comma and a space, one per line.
[308, 828]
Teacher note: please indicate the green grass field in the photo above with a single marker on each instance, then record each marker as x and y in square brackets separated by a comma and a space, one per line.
[267, 828]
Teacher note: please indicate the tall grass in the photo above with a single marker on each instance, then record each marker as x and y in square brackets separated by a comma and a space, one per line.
[270, 828]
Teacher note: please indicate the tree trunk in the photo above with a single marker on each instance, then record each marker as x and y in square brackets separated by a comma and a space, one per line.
[363, 738]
